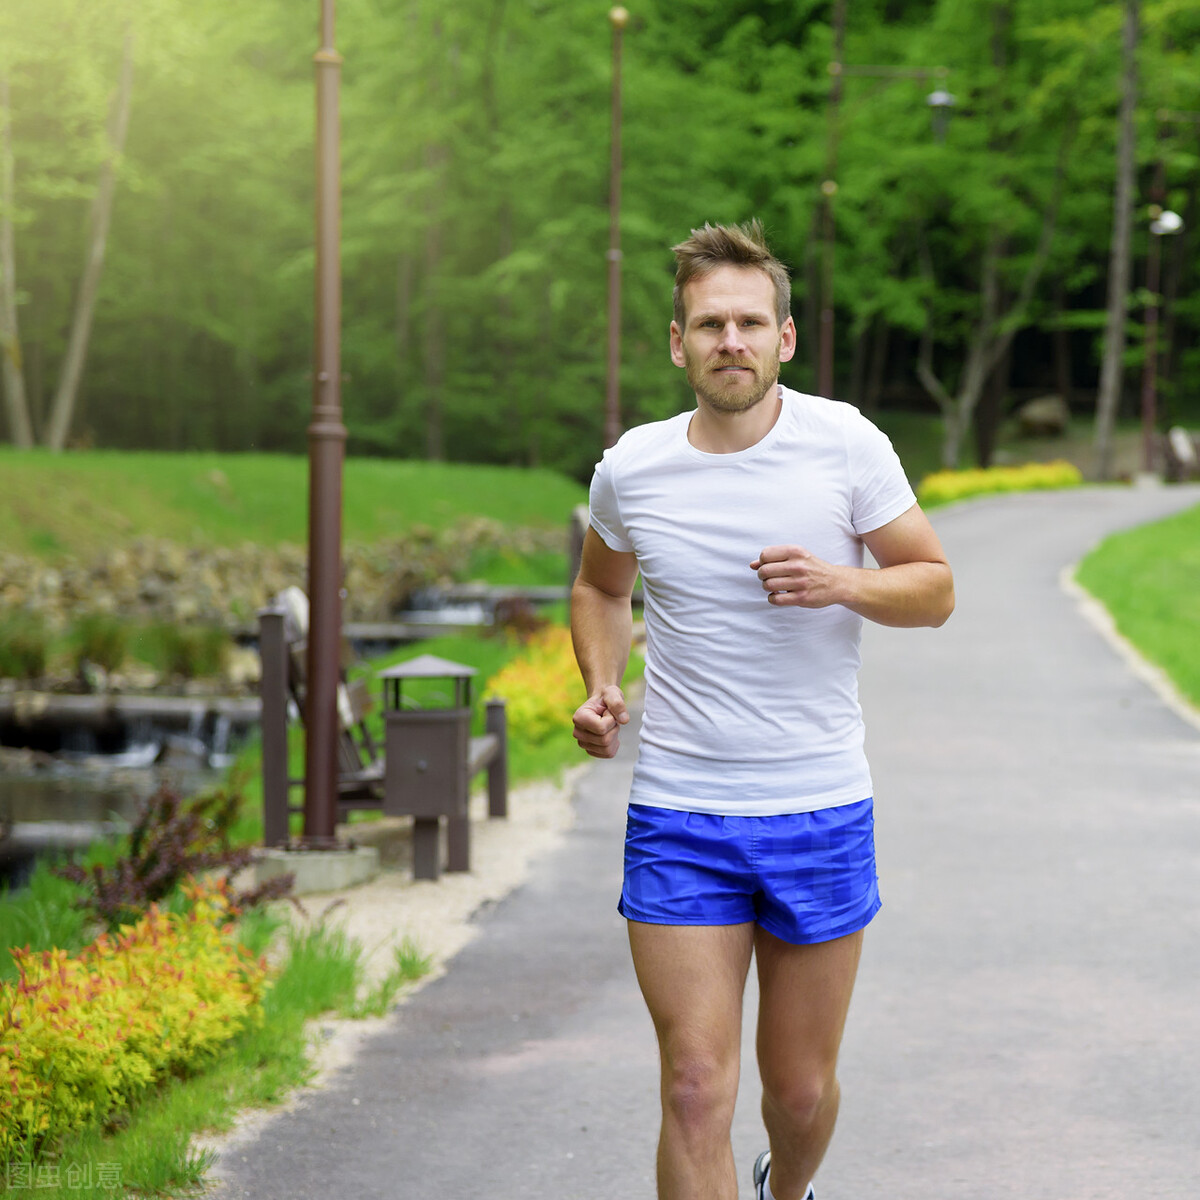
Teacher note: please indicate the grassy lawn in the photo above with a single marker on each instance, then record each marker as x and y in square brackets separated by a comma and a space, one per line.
[1147, 579]
[78, 503]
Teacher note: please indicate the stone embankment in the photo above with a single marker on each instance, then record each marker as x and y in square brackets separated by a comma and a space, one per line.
[167, 581]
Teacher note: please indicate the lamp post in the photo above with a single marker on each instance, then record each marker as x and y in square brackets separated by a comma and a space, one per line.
[940, 102]
[618, 17]
[1163, 223]
[326, 449]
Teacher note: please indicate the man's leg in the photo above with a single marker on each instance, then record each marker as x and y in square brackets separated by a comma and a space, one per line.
[693, 979]
[804, 994]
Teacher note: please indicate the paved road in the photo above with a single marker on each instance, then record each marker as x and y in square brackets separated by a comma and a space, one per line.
[1026, 1018]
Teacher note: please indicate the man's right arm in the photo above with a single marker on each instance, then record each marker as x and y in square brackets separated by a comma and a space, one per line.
[602, 631]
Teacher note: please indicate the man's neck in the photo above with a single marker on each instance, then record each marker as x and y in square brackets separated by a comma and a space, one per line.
[717, 432]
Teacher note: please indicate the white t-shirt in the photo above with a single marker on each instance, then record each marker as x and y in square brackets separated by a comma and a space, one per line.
[750, 709]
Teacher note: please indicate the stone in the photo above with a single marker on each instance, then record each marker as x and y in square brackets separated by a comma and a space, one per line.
[319, 870]
[1045, 416]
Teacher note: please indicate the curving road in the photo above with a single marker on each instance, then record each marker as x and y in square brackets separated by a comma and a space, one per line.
[1026, 1019]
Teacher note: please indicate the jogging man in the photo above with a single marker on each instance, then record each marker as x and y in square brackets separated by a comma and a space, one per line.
[750, 829]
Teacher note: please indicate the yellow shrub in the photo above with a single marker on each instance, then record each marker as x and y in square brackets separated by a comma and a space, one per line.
[944, 486]
[81, 1036]
[540, 686]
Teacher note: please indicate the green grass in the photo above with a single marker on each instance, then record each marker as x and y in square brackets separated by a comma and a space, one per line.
[77, 503]
[1147, 579]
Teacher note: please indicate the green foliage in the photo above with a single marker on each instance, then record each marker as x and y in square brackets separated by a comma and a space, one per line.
[1146, 578]
[943, 487]
[475, 197]
[190, 651]
[170, 841]
[24, 645]
[43, 914]
[81, 1036]
[102, 639]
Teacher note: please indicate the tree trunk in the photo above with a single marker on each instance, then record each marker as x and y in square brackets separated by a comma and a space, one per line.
[878, 364]
[19, 426]
[436, 160]
[989, 417]
[63, 408]
[1062, 348]
[994, 331]
[1111, 371]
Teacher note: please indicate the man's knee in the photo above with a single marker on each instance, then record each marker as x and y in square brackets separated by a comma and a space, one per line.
[804, 1099]
[699, 1091]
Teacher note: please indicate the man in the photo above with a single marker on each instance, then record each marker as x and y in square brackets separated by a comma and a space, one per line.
[750, 830]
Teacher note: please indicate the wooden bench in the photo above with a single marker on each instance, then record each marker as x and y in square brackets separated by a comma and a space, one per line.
[364, 781]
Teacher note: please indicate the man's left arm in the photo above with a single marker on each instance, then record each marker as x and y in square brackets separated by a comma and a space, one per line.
[912, 586]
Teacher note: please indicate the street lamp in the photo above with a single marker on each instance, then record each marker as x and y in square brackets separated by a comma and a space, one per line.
[940, 102]
[326, 450]
[618, 17]
[1163, 223]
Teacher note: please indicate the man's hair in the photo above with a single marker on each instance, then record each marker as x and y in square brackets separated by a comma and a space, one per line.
[730, 245]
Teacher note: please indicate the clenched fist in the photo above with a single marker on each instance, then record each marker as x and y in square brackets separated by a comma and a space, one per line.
[793, 576]
[598, 722]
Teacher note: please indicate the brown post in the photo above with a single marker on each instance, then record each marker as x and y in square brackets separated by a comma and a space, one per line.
[496, 721]
[326, 440]
[619, 17]
[273, 692]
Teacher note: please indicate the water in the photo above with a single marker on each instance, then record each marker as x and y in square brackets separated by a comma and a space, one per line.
[81, 797]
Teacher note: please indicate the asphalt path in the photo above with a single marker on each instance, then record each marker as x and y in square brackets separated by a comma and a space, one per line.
[1025, 1023]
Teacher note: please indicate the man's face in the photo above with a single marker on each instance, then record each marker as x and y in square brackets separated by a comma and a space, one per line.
[731, 345]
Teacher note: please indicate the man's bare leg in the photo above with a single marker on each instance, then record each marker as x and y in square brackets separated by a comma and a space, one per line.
[804, 994]
[693, 979]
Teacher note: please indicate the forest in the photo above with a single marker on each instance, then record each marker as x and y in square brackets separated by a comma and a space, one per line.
[968, 186]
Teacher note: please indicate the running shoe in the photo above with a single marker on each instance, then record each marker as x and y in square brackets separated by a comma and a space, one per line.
[762, 1164]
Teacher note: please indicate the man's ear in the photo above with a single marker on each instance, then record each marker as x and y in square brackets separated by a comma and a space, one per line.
[787, 341]
[677, 345]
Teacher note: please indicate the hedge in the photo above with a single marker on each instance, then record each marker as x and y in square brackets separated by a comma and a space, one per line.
[82, 1036]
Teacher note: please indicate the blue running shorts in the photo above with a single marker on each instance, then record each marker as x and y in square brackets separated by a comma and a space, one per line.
[805, 877]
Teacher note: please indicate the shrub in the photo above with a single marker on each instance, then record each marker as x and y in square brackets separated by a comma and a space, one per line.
[942, 487]
[80, 1036]
[103, 639]
[540, 686]
[192, 651]
[171, 839]
[24, 646]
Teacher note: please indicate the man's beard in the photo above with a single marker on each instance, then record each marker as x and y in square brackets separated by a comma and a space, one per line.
[735, 393]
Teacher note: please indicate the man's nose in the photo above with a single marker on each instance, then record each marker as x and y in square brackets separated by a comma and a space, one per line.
[731, 338]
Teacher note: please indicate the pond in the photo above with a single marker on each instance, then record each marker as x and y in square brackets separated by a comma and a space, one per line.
[51, 806]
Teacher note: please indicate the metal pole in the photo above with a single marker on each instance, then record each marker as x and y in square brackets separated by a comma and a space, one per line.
[828, 191]
[619, 18]
[326, 447]
[1150, 362]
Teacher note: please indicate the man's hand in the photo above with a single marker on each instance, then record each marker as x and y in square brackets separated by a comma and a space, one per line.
[793, 576]
[598, 721]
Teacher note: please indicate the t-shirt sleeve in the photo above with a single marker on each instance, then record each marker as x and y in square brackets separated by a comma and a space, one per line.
[880, 490]
[604, 512]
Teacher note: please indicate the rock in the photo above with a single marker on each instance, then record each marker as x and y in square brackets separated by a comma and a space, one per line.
[1045, 416]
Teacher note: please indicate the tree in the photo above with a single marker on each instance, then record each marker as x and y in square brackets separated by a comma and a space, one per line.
[10, 340]
[98, 224]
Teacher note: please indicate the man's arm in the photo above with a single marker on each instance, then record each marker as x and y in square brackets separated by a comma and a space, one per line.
[602, 630]
[913, 585]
